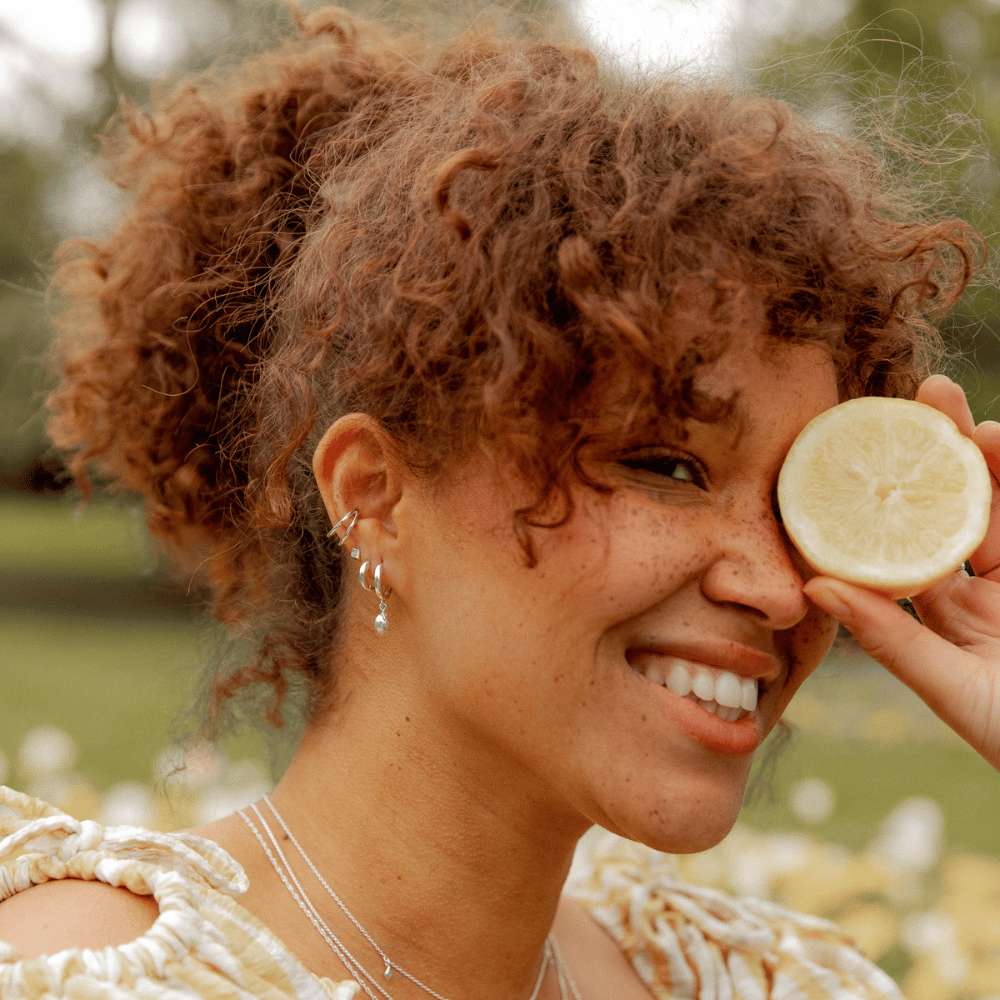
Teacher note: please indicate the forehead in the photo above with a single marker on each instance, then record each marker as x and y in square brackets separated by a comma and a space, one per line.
[719, 363]
[744, 356]
[773, 385]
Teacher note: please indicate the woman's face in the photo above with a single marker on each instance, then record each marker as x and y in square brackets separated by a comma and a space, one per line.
[551, 678]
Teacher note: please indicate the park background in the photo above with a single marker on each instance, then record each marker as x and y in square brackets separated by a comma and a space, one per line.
[874, 815]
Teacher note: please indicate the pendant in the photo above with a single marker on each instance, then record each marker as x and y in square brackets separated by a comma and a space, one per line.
[381, 624]
[388, 972]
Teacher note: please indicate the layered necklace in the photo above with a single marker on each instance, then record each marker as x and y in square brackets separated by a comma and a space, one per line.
[368, 982]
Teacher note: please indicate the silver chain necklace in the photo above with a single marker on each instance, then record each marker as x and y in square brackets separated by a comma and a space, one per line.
[550, 955]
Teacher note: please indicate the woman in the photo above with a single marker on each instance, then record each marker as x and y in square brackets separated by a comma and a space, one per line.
[465, 375]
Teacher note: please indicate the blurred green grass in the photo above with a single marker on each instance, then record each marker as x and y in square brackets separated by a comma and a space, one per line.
[871, 778]
[115, 686]
[116, 682]
[96, 639]
[57, 535]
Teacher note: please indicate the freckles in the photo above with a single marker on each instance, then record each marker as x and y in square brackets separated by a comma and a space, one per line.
[817, 627]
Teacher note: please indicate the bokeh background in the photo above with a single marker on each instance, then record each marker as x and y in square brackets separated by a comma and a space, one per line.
[875, 814]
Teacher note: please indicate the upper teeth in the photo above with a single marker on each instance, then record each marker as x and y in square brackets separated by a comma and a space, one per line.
[705, 683]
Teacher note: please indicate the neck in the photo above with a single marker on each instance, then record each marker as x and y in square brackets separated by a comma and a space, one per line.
[453, 870]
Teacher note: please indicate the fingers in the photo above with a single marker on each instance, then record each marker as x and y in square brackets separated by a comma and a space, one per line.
[940, 392]
[892, 637]
[884, 629]
[960, 688]
[987, 436]
[986, 559]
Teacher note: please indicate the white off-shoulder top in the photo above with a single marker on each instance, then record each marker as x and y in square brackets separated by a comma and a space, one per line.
[685, 943]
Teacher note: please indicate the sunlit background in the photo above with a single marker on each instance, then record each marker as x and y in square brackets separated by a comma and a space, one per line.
[876, 815]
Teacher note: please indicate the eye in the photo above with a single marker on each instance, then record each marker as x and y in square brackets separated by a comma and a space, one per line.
[681, 470]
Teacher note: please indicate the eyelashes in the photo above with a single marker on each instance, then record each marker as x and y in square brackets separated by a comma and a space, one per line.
[679, 469]
[675, 472]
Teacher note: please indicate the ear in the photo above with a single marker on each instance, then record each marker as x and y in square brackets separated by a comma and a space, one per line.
[357, 467]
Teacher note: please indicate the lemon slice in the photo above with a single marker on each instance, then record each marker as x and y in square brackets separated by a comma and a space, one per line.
[886, 493]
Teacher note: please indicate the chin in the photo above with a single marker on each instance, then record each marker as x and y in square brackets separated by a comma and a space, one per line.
[682, 823]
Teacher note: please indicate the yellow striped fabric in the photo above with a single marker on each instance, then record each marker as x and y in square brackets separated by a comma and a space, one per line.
[685, 943]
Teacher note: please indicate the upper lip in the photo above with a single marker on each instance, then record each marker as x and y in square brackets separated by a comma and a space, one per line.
[732, 656]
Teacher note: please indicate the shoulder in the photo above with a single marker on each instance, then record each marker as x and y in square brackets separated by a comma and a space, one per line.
[679, 936]
[72, 913]
[87, 910]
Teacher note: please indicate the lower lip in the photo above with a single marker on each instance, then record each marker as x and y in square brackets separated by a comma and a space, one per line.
[735, 739]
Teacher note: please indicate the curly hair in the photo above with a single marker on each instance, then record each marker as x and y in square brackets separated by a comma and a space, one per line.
[478, 243]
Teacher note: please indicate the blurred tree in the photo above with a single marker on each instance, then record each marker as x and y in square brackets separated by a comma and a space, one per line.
[931, 75]
[26, 238]
[934, 70]
[48, 191]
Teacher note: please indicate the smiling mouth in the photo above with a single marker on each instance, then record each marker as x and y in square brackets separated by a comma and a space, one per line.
[719, 692]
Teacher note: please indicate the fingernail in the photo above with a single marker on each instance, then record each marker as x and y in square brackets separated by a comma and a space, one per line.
[830, 596]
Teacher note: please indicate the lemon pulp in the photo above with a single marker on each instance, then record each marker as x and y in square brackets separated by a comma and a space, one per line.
[887, 493]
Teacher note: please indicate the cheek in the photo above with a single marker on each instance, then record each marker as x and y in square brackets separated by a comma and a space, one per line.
[811, 641]
[615, 551]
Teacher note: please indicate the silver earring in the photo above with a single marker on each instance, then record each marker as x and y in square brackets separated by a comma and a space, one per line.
[381, 622]
[350, 519]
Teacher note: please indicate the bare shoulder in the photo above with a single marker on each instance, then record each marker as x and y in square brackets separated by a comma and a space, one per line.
[71, 913]
[592, 957]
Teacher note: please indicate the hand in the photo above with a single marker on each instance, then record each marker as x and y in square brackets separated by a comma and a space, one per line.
[951, 657]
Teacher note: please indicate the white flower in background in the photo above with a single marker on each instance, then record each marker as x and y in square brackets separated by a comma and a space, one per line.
[927, 930]
[127, 804]
[758, 861]
[243, 782]
[196, 764]
[45, 751]
[167, 764]
[934, 932]
[912, 836]
[812, 800]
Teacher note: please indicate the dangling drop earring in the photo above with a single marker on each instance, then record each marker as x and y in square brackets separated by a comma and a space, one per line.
[381, 622]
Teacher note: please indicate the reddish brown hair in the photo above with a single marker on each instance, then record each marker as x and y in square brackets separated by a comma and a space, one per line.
[470, 242]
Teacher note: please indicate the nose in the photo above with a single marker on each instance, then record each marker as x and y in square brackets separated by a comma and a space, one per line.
[755, 570]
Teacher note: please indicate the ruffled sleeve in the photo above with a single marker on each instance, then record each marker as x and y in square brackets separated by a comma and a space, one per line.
[688, 943]
[202, 944]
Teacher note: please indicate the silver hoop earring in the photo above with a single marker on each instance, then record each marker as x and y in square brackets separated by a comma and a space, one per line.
[362, 573]
[381, 622]
[350, 519]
